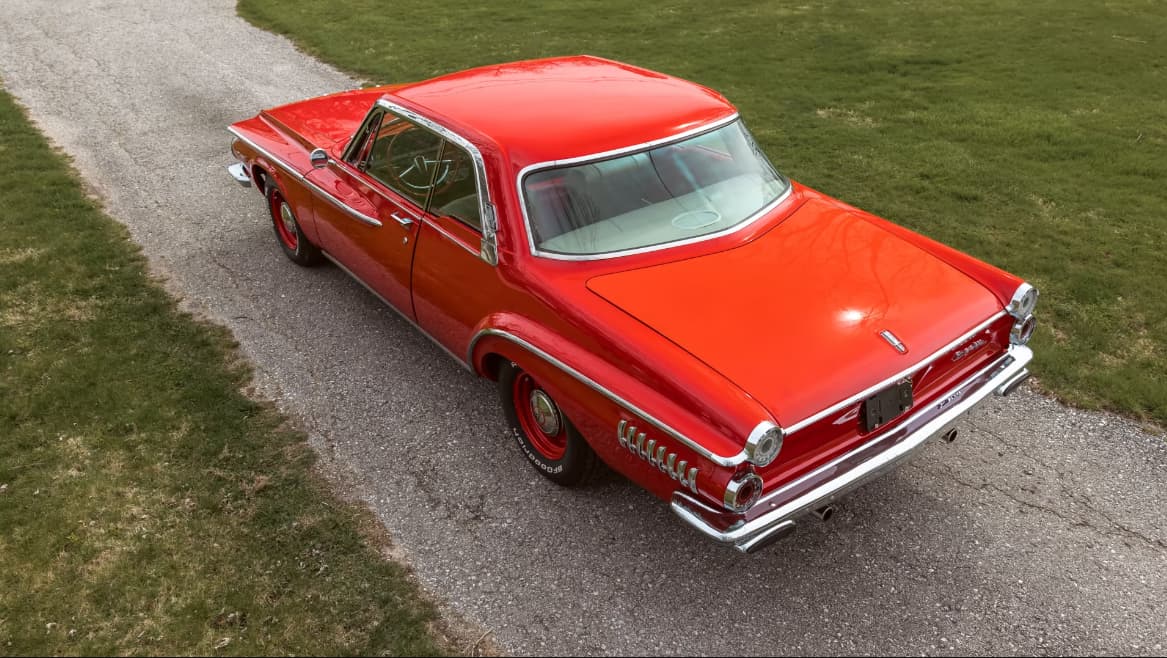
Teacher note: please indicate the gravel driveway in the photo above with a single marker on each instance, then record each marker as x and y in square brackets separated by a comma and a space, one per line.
[1042, 530]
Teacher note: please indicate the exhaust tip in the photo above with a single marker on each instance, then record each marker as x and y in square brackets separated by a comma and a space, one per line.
[950, 435]
[825, 513]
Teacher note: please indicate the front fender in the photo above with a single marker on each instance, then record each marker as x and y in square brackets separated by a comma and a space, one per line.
[261, 146]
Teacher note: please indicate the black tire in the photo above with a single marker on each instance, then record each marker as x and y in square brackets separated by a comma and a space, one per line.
[574, 464]
[291, 239]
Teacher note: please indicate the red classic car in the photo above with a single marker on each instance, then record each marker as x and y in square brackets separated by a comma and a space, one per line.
[611, 246]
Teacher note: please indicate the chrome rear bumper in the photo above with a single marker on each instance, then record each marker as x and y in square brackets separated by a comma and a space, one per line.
[239, 173]
[774, 515]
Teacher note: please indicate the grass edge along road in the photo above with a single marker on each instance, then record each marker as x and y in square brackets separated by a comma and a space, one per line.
[1032, 135]
[148, 506]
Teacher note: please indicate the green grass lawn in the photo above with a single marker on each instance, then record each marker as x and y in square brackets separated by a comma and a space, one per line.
[146, 505]
[1030, 134]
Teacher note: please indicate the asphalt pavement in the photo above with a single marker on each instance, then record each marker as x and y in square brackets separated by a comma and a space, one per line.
[1042, 530]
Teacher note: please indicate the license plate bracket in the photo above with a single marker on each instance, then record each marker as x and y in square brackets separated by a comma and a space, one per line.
[886, 405]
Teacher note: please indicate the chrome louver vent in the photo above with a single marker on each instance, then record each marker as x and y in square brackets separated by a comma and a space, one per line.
[657, 454]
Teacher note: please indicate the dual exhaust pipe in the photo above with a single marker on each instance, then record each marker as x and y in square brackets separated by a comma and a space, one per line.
[825, 512]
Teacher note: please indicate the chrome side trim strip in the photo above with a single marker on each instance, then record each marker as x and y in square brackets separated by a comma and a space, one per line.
[848, 471]
[399, 200]
[324, 194]
[592, 384]
[535, 251]
[395, 309]
[802, 424]
[420, 215]
[355, 214]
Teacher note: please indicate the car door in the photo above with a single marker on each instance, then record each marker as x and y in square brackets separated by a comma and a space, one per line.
[379, 189]
[454, 287]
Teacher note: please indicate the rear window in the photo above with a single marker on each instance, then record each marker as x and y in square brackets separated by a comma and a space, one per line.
[698, 186]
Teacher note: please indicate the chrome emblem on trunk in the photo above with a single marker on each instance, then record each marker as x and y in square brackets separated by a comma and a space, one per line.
[656, 454]
[969, 349]
[894, 342]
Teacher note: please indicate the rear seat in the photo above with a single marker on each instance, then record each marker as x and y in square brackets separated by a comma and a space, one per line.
[618, 186]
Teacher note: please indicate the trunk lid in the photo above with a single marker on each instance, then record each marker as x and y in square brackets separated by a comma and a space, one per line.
[794, 316]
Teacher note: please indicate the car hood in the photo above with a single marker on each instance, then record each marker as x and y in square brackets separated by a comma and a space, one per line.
[794, 316]
[327, 121]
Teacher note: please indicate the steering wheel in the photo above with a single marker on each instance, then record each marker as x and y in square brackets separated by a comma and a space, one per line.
[409, 167]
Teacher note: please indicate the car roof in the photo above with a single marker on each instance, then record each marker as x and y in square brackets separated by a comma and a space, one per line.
[565, 107]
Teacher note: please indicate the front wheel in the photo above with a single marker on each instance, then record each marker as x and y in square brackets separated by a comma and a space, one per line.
[287, 227]
[548, 440]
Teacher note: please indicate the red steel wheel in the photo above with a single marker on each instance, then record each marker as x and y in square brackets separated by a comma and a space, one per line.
[285, 221]
[287, 227]
[540, 418]
[545, 435]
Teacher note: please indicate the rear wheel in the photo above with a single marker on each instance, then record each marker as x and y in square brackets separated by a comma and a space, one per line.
[287, 228]
[546, 438]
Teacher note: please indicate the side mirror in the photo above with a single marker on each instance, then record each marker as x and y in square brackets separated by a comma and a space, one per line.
[319, 158]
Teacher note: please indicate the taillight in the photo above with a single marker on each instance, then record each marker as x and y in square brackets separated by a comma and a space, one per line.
[743, 491]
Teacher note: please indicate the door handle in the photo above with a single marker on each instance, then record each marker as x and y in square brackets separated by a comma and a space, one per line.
[406, 222]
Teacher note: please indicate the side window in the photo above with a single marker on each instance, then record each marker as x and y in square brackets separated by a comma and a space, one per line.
[406, 158]
[455, 191]
[358, 149]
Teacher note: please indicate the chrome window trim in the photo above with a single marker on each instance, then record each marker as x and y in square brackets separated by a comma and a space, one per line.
[410, 206]
[489, 250]
[384, 183]
[350, 148]
[429, 201]
[592, 384]
[325, 194]
[396, 310]
[894, 378]
[595, 157]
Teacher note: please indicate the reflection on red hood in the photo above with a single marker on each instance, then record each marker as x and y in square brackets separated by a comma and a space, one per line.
[794, 316]
[327, 121]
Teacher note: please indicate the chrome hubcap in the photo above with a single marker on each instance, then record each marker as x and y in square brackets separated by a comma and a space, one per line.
[288, 219]
[545, 412]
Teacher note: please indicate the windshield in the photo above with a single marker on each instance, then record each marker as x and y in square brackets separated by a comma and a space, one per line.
[697, 186]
